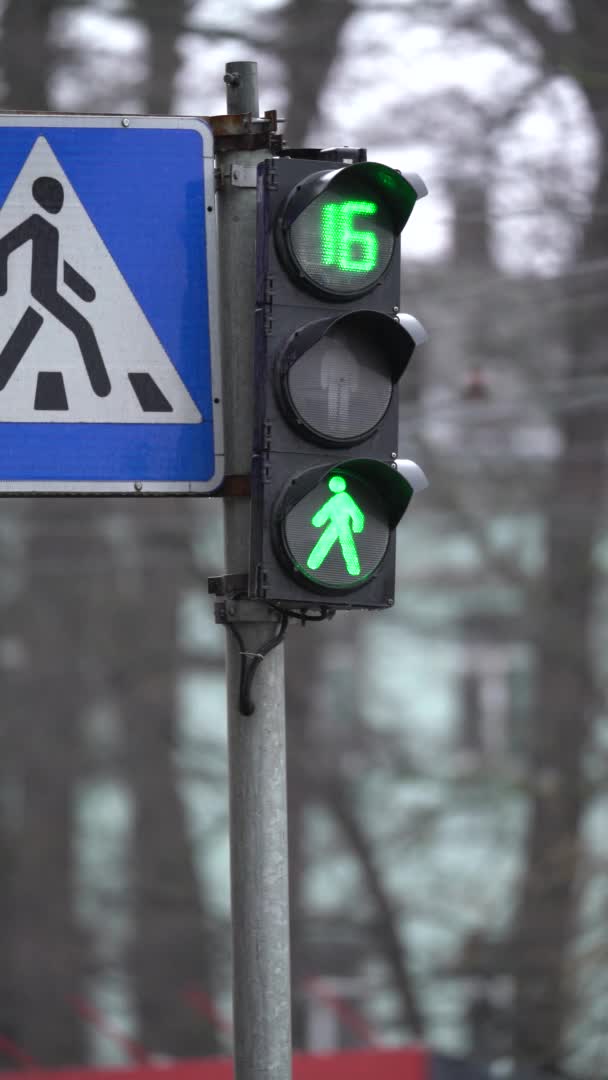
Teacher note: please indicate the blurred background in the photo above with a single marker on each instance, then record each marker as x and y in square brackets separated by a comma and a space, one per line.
[448, 760]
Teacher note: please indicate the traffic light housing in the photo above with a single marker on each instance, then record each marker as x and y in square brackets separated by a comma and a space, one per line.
[331, 347]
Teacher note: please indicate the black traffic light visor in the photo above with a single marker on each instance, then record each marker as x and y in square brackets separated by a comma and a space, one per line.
[391, 485]
[398, 336]
[398, 192]
[393, 488]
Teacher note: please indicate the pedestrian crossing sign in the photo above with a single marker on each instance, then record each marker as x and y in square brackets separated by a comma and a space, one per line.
[109, 361]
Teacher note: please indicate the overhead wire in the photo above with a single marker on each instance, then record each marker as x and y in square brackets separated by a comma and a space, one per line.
[474, 218]
[575, 269]
[526, 313]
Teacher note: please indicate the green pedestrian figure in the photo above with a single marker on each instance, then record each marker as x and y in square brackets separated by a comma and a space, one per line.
[342, 517]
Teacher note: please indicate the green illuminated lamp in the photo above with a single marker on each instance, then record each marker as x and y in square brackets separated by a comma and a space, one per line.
[335, 530]
[342, 518]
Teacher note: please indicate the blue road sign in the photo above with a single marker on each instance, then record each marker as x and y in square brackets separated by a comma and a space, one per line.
[109, 358]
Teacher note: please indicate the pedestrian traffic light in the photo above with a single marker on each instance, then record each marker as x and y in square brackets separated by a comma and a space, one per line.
[331, 347]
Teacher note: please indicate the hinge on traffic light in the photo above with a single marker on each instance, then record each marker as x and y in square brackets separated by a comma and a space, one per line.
[260, 580]
[268, 295]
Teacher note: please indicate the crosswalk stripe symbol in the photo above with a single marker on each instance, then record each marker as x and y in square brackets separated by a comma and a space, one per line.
[75, 346]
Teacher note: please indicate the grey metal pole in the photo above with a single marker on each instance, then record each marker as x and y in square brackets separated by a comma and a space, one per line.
[241, 80]
[257, 762]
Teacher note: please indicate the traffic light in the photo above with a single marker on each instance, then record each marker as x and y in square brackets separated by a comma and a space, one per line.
[331, 347]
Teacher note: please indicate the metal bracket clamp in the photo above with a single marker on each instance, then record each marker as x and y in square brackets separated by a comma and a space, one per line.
[236, 484]
[244, 610]
[227, 584]
[244, 131]
[245, 176]
[235, 606]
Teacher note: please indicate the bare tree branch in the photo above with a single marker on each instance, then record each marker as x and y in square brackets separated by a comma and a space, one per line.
[554, 43]
[341, 804]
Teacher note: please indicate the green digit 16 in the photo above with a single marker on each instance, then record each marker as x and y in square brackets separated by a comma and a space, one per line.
[338, 236]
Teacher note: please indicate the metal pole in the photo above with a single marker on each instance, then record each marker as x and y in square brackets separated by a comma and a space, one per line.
[241, 80]
[257, 762]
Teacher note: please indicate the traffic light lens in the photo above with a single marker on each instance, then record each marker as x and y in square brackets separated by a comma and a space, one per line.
[337, 535]
[341, 387]
[342, 243]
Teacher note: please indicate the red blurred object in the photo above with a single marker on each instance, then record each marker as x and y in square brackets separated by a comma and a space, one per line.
[202, 1003]
[475, 386]
[409, 1064]
[132, 1049]
[350, 1017]
[9, 1049]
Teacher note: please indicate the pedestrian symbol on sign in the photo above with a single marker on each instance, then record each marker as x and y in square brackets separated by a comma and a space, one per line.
[48, 193]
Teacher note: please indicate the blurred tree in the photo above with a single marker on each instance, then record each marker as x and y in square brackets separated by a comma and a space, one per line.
[27, 53]
[388, 936]
[563, 606]
[308, 45]
[171, 952]
[171, 927]
[557, 42]
[63, 609]
[303, 677]
[171, 943]
[329, 744]
[163, 24]
[7, 912]
[51, 957]
[47, 947]
[12, 665]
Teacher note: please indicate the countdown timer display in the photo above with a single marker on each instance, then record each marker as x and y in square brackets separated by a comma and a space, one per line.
[342, 245]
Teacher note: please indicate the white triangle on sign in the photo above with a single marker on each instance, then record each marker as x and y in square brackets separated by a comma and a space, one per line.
[47, 376]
